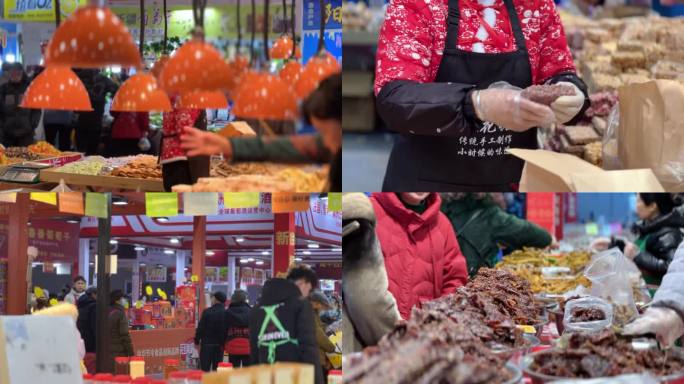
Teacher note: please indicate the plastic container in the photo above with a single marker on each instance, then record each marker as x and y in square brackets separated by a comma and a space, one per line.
[335, 377]
[194, 377]
[122, 379]
[137, 365]
[515, 355]
[170, 366]
[223, 367]
[587, 326]
[103, 378]
[121, 365]
[177, 377]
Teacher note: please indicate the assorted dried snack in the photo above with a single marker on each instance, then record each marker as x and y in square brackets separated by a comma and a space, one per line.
[547, 94]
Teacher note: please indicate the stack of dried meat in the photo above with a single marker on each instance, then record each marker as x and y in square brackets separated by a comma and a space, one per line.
[603, 354]
[450, 340]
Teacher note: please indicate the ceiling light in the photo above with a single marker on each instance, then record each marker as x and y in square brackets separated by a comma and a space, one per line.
[259, 262]
[73, 221]
[298, 259]
[203, 100]
[169, 251]
[265, 253]
[313, 246]
[139, 248]
[113, 241]
[250, 259]
[306, 252]
[240, 239]
[57, 88]
[244, 261]
[195, 66]
[264, 96]
[210, 253]
[162, 219]
[140, 94]
[317, 69]
[337, 249]
[174, 240]
[142, 264]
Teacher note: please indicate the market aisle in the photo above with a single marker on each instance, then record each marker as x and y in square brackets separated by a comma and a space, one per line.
[365, 160]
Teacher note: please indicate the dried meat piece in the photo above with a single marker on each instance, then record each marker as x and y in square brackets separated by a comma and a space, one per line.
[547, 94]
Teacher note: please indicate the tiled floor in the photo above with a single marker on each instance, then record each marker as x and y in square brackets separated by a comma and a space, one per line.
[364, 159]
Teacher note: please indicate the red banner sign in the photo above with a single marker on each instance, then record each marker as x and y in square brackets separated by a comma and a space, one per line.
[56, 240]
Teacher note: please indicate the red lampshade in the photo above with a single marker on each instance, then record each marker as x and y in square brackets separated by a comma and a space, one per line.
[282, 48]
[265, 96]
[159, 66]
[196, 66]
[291, 72]
[57, 87]
[92, 37]
[140, 94]
[315, 71]
[203, 100]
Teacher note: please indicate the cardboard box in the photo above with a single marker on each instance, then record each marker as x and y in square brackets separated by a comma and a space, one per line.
[237, 129]
[547, 171]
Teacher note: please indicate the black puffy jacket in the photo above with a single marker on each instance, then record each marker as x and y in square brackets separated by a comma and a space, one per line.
[87, 320]
[663, 235]
[212, 326]
[296, 342]
[16, 122]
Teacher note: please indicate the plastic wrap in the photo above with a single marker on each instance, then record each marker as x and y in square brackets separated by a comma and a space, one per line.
[587, 326]
[611, 158]
[609, 275]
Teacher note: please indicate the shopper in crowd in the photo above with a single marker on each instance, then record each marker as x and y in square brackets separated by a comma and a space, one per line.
[86, 324]
[320, 303]
[665, 316]
[17, 125]
[89, 124]
[482, 228]
[4, 77]
[422, 257]
[237, 325]
[322, 109]
[77, 290]
[436, 66]
[177, 166]
[58, 128]
[282, 328]
[368, 314]
[129, 134]
[120, 343]
[304, 277]
[210, 335]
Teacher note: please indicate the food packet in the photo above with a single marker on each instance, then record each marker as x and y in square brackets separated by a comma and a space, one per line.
[572, 325]
[609, 275]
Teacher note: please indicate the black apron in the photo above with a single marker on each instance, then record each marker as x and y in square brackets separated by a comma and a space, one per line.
[475, 161]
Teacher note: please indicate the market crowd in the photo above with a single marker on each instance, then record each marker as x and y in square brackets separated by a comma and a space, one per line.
[291, 322]
[403, 249]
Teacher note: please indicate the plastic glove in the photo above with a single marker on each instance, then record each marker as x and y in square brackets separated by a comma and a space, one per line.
[505, 108]
[664, 322]
[567, 107]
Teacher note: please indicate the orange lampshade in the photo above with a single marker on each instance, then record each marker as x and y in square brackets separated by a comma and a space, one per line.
[203, 100]
[196, 66]
[282, 48]
[159, 66]
[92, 37]
[57, 87]
[291, 72]
[316, 70]
[264, 96]
[140, 94]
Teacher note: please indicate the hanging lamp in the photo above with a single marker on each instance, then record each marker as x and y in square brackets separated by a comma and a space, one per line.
[292, 69]
[197, 65]
[262, 95]
[140, 92]
[203, 99]
[319, 67]
[158, 66]
[92, 37]
[57, 87]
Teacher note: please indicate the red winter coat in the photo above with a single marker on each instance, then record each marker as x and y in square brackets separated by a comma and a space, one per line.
[422, 257]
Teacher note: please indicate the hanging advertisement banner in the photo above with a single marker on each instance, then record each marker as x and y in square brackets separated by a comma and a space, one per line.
[311, 23]
[38, 10]
[156, 274]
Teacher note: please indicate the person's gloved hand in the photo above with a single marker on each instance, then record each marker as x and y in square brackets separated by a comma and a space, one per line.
[664, 322]
[507, 109]
[567, 107]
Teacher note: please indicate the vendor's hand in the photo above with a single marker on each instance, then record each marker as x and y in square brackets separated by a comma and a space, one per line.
[600, 244]
[567, 107]
[507, 109]
[197, 143]
[664, 322]
[631, 250]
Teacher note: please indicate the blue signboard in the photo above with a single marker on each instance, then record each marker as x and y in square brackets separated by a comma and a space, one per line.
[311, 25]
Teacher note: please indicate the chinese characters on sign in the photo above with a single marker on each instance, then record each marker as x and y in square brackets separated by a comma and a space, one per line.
[490, 141]
[285, 238]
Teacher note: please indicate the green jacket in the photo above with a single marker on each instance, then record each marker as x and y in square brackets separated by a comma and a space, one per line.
[480, 237]
[283, 149]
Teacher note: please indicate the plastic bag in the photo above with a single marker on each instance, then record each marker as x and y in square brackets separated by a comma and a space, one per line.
[587, 326]
[611, 158]
[644, 378]
[609, 275]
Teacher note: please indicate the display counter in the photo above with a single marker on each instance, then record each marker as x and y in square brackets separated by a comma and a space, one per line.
[156, 345]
